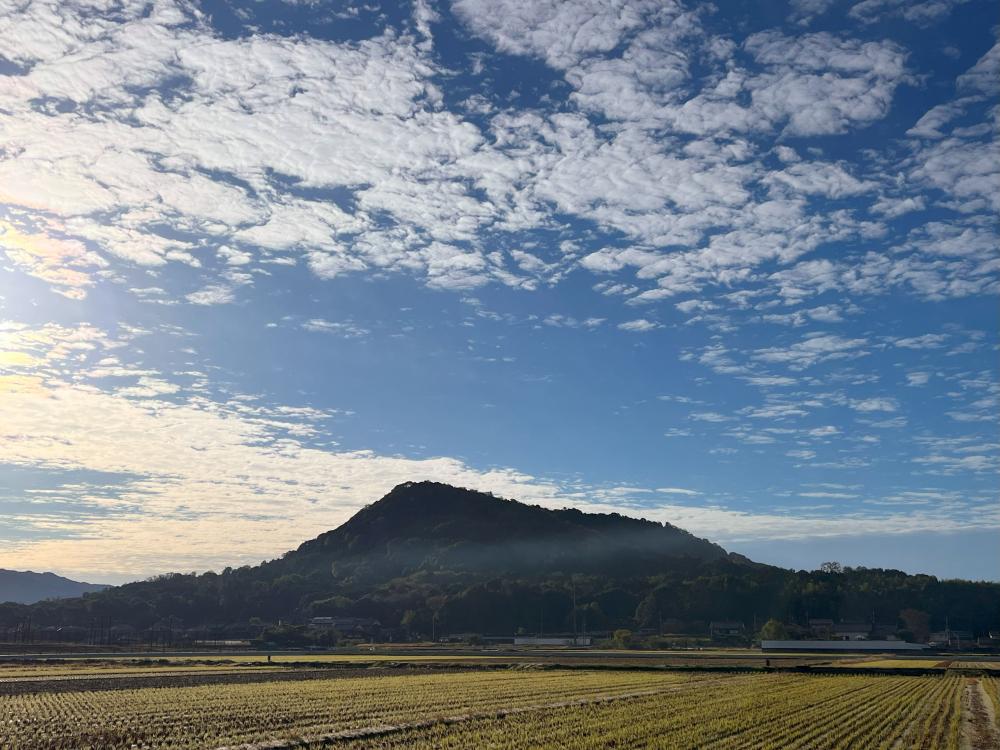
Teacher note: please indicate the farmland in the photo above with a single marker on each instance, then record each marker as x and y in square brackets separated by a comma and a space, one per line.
[56, 706]
[901, 664]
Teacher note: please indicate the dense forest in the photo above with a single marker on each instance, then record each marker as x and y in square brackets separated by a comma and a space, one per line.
[431, 557]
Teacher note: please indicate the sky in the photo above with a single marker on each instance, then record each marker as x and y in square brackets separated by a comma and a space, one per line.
[732, 266]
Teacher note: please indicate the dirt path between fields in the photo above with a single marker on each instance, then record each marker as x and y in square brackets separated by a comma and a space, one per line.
[979, 728]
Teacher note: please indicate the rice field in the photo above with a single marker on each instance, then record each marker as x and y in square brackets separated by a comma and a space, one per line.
[902, 664]
[511, 708]
[9, 672]
[991, 665]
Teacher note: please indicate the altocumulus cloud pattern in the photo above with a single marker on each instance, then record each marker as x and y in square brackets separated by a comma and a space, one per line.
[733, 270]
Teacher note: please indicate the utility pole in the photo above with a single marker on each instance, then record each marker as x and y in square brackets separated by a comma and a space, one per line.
[574, 609]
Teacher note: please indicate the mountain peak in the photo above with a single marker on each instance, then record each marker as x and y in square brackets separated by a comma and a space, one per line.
[430, 525]
[27, 586]
[438, 496]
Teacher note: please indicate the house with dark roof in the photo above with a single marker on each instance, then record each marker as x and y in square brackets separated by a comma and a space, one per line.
[726, 628]
[852, 631]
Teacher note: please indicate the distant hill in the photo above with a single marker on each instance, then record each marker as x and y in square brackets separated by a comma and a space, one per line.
[431, 527]
[430, 556]
[28, 587]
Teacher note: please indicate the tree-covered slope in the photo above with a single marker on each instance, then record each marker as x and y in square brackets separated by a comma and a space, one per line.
[427, 526]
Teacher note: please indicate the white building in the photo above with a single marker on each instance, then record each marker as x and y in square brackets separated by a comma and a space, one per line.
[535, 640]
[840, 646]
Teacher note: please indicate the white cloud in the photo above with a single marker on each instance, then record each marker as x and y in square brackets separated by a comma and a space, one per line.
[234, 257]
[66, 264]
[557, 320]
[931, 124]
[802, 454]
[824, 431]
[804, 11]
[817, 178]
[640, 325]
[926, 341]
[147, 159]
[149, 387]
[921, 12]
[963, 169]
[709, 416]
[823, 84]
[346, 330]
[561, 33]
[776, 411]
[984, 76]
[601, 261]
[765, 381]
[823, 313]
[691, 305]
[894, 207]
[829, 495]
[813, 350]
[875, 404]
[215, 294]
[244, 123]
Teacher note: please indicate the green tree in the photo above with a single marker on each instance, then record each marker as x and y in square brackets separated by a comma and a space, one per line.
[916, 622]
[773, 630]
[622, 638]
[409, 618]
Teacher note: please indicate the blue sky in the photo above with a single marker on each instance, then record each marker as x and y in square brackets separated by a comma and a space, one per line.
[733, 267]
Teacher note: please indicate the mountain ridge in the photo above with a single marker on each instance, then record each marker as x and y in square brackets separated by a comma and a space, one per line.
[28, 586]
[432, 557]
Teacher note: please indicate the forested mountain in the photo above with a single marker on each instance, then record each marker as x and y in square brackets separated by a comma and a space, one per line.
[27, 587]
[427, 526]
[472, 562]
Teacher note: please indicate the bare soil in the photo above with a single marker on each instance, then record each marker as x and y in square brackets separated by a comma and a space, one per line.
[979, 728]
